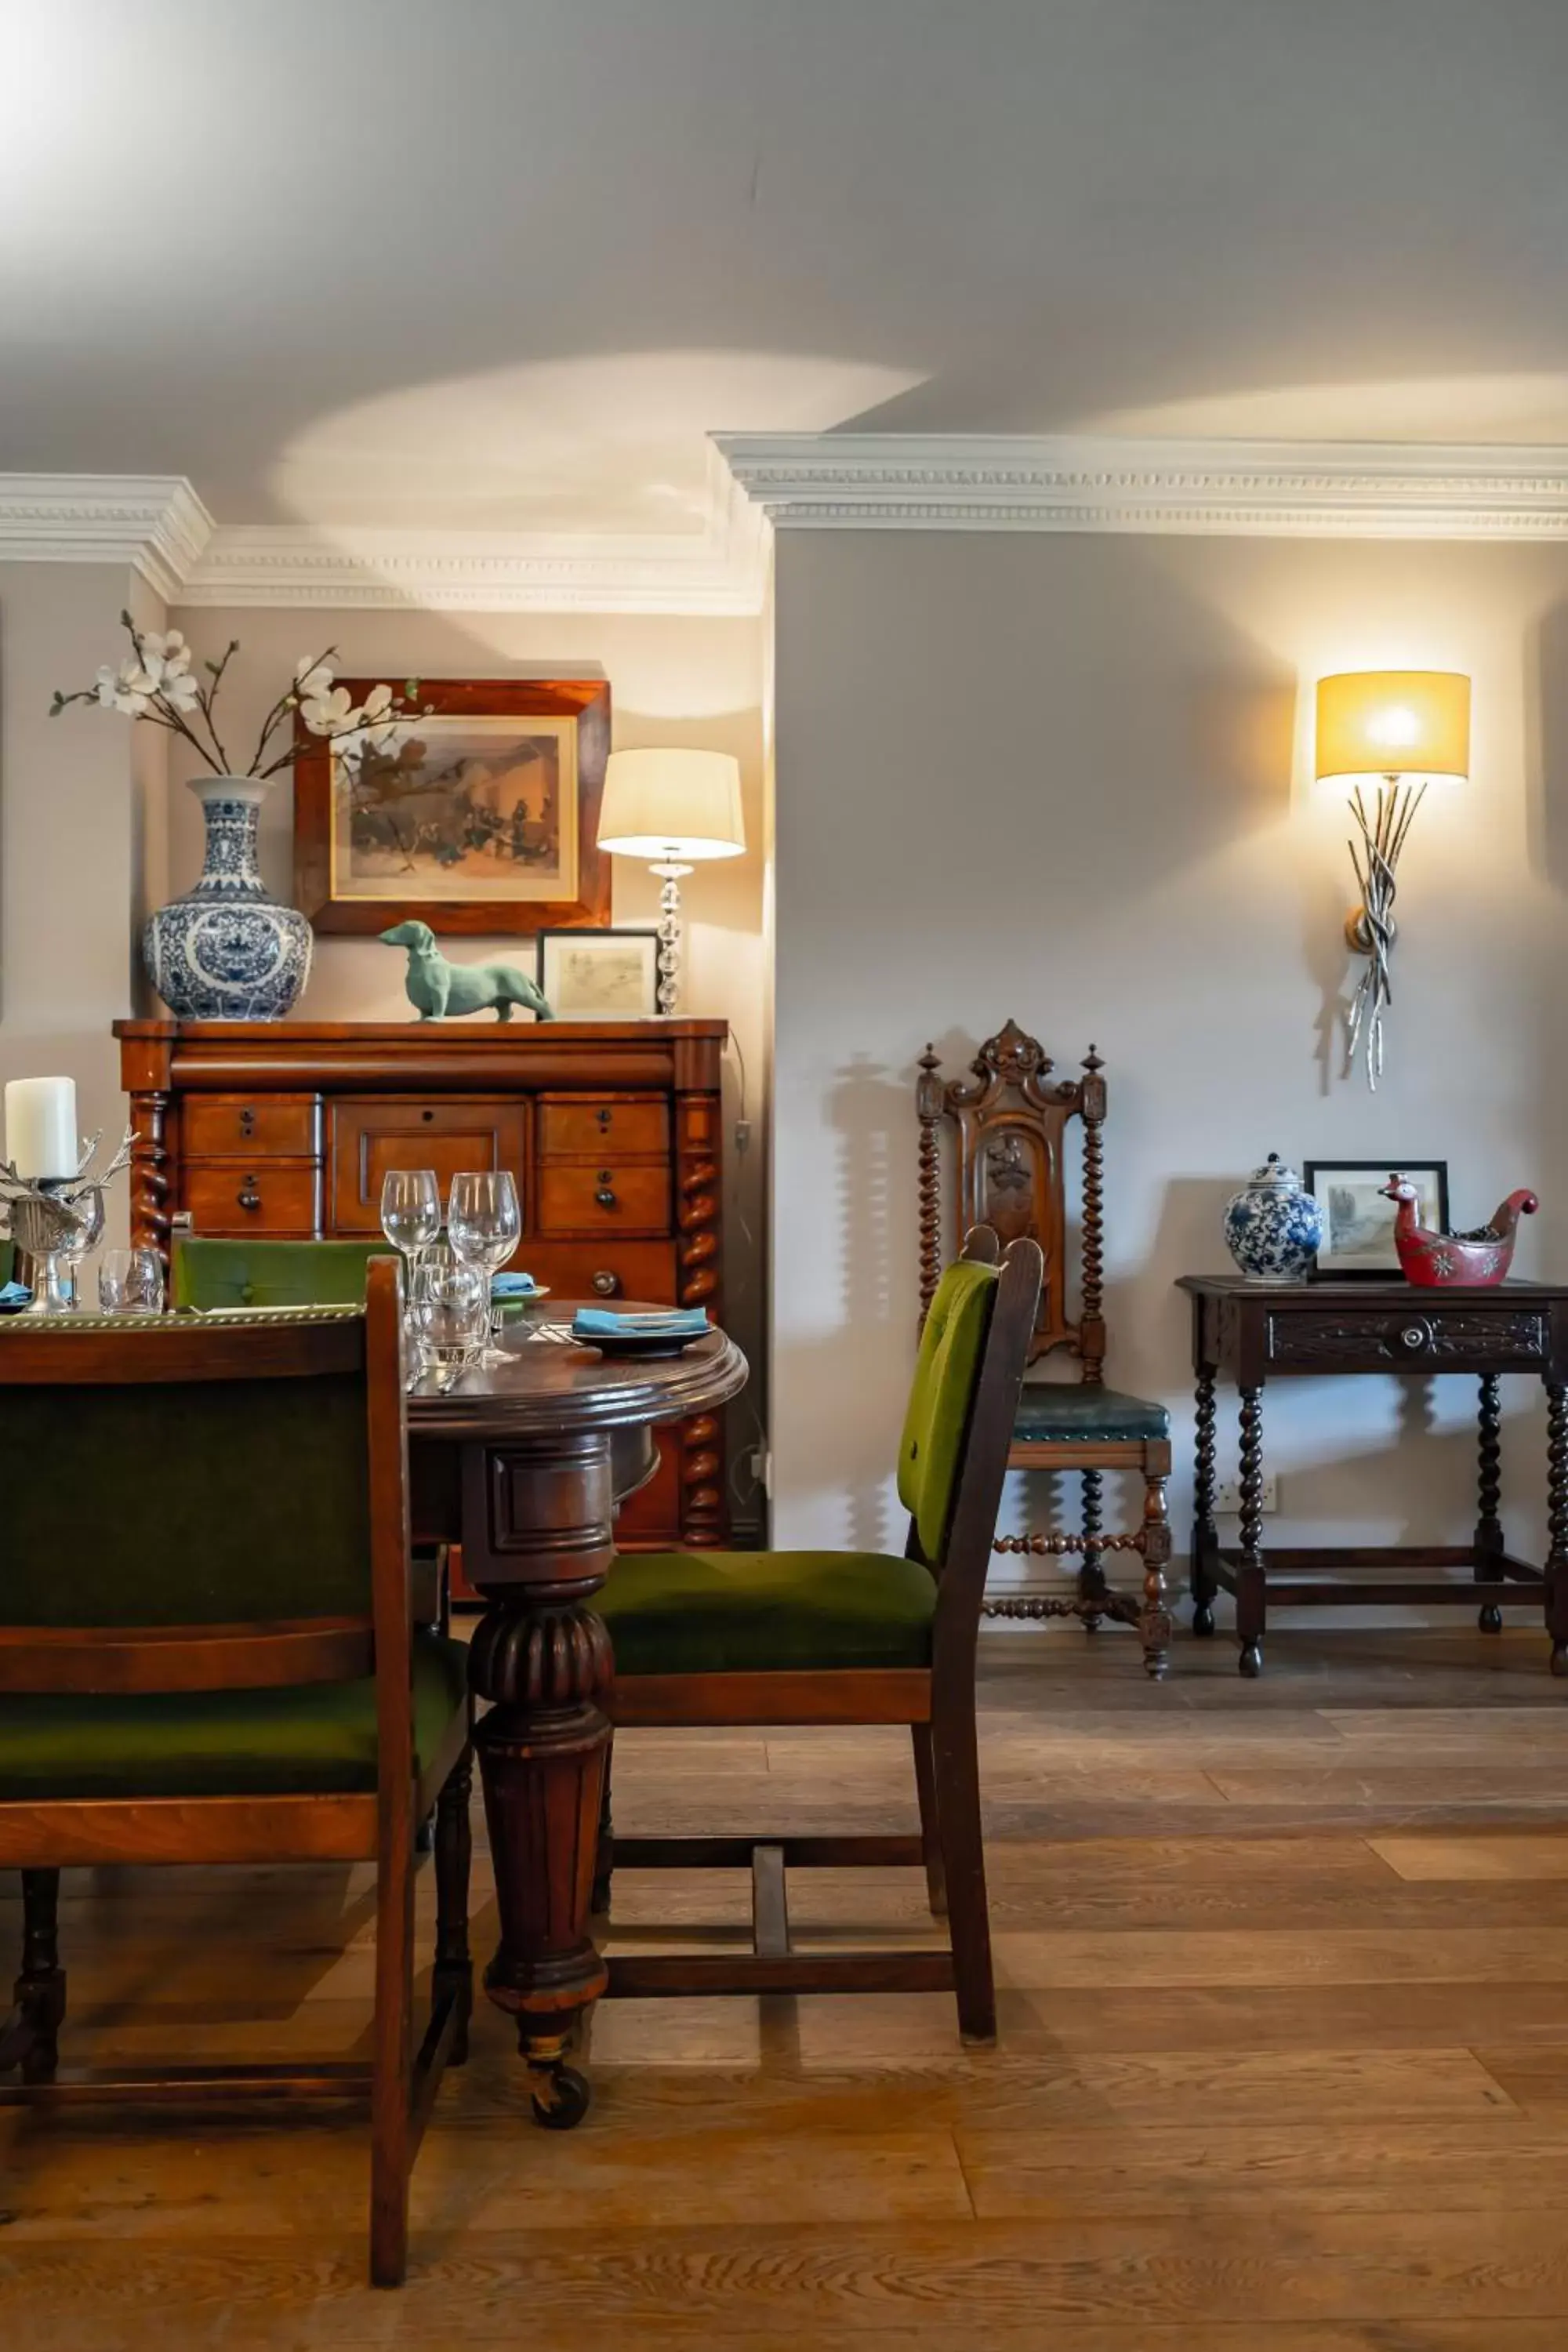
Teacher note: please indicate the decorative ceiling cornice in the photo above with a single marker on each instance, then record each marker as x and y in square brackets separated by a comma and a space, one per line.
[157, 525]
[873, 481]
[154, 522]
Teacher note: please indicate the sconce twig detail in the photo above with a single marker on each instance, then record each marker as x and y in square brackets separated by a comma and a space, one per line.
[1370, 929]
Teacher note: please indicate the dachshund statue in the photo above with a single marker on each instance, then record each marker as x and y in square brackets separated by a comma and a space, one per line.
[1434, 1260]
[441, 991]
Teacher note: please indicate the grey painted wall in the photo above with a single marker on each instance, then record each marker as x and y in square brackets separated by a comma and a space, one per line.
[1066, 779]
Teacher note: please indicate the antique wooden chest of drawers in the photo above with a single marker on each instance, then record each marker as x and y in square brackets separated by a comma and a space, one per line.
[612, 1128]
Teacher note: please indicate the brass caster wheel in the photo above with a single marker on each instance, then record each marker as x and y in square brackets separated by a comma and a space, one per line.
[1250, 1662]
[1203, 1620]
[1490, 1619]
[560, 2099]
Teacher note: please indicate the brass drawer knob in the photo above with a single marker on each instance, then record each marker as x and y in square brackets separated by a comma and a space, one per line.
[604, 1284]
[247, 1196]
[1415, 1337]
[605, 1197]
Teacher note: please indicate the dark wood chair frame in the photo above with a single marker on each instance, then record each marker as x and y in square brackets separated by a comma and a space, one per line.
[39, 1837]
[1011, 1126]
[936, 1702]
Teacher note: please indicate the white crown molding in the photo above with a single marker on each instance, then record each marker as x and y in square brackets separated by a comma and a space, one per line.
[154, 522]
[157, 525]
[868, 482]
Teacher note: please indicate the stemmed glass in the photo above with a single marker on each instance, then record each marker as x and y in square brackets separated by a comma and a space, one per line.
[484, 1226]
[410, 1215]
[83, 1237]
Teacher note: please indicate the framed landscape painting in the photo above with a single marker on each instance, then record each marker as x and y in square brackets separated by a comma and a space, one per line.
[478, 815]
[1358, 1223]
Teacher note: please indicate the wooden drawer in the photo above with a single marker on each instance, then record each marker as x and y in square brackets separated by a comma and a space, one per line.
[609, 1196]
[229, 1197]
[246, 1126]
[611, 1269]
[370, 1136]
[585, 1126]
[1421, 1338]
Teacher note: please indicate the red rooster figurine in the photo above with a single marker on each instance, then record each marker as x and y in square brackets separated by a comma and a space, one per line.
[1434, 1260]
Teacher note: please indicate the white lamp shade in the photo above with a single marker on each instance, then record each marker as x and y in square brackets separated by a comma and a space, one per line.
[672, 805]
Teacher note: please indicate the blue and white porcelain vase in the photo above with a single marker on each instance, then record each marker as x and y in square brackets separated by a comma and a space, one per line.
[227, 950]
[1273, 1226]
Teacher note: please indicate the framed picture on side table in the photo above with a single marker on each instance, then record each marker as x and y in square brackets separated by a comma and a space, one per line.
[1358, 1223]
[599, 975]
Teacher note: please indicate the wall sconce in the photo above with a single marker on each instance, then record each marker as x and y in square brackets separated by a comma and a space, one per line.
[1396, 727]
[672, 809]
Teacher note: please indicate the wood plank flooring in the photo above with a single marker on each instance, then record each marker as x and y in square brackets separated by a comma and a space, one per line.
[1283, 2066]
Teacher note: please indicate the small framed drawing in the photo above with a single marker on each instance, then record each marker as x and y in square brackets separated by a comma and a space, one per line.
[1358, 1223]
[599, 975]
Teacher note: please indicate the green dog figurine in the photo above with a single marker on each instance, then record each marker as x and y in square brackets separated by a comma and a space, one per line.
[441, 991]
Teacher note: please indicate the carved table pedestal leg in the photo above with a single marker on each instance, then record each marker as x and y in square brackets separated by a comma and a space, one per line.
[1206, 1535]
[1250, 1589]
[537, 1543]
[1489, 1495]
[1557, 1524]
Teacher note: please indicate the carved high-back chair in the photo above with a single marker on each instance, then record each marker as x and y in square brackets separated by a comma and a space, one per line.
[1010, 1121]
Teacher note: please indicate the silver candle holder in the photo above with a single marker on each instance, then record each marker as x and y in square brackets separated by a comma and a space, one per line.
[56, 1219]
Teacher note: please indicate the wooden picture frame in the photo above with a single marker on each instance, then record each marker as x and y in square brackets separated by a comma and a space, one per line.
[353, 843]
[1373, 1257]
[557, 949]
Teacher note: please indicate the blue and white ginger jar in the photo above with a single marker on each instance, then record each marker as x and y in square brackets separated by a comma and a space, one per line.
[1273, 1226]
[227, 950]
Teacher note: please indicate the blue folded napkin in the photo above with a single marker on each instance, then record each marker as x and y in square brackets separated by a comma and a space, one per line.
[667, 1323]
[513, 1286]
[14, 1295]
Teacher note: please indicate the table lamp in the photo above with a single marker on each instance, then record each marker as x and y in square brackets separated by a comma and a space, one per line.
[673, 810]
[1397, 729]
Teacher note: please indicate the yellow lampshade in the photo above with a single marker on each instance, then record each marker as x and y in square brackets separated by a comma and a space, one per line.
[1393, 723]
[672, 805]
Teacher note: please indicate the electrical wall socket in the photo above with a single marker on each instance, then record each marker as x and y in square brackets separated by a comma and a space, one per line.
[1227, 1496]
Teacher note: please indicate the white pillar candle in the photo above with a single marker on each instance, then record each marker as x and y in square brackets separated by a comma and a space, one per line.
[40, 1126]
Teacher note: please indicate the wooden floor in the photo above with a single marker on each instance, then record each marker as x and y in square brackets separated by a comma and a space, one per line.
[1284, 2056]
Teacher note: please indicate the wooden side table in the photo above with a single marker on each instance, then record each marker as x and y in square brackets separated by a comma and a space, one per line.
[1256, 1332]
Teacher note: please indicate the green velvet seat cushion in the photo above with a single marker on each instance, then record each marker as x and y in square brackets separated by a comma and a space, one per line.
[7, 1262]
[767, 1613]
[310, 1739]
[272, 1274]
[1064, 1410]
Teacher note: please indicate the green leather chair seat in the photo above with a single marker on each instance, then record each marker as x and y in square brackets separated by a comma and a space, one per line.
[308, 1737]
[1065, 1409]
[766, 1612]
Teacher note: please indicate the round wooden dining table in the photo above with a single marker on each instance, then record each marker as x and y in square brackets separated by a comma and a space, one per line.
[525, 1464]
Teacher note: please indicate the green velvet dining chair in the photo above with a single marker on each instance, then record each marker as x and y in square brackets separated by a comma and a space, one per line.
[209, 1274]
[207, 1654]
[841, 1638]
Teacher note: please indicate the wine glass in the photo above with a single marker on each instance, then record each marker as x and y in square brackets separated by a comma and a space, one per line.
[410, 1214]
[130, 1282]
[78, 1244]
[484, 1224]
